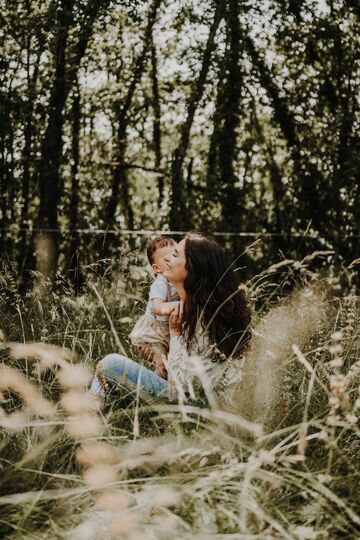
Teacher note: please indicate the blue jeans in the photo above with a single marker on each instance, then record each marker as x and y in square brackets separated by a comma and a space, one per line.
[115, 369]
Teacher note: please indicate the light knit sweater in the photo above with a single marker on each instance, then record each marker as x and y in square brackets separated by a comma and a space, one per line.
[204, 369]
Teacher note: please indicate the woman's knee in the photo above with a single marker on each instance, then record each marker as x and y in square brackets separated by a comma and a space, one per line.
[115, 365]
[111, 360]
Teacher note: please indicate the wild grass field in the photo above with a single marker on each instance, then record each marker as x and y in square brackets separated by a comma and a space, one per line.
[281, 463]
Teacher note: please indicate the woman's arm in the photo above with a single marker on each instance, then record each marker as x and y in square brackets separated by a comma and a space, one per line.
[178, 363]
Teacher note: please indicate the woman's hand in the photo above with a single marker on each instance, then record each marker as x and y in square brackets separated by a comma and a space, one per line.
[175, 320]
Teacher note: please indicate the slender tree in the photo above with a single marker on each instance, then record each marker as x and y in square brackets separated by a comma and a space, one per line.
[231, 197]
[307, 174]
[179, 218]
[34, 40]
[120, 185]
[67, 62]
[157, 118]
[74, 246]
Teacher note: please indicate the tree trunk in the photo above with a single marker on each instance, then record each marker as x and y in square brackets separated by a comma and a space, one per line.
[6, 173]
[157, 122]
[29, 131]
[73, 266]
[3, 183]
[120, 186]
[120, 181]
[221, 178]
[212, 173]
[231, 194]
[51, 148]
[308, 177]
[281, 210]
[178, 216]
[3, 180]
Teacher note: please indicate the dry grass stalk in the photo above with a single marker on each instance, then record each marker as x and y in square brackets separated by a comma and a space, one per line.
[278, 265]
[10, 379]
[355, 262]
[302, 358]
[294, 321]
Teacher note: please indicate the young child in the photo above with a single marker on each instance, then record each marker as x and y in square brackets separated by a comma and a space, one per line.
[151, 332]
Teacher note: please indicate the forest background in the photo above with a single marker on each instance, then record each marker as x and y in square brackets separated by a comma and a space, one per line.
[225, 117]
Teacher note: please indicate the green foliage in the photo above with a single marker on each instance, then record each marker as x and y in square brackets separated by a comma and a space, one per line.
[189, 473]
[273, 142]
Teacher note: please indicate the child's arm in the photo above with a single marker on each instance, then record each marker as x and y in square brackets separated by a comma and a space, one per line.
[160, 307]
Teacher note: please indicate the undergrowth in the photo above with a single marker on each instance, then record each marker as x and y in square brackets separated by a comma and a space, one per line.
[136, 470]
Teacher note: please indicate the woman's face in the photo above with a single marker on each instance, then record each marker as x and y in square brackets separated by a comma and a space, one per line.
[175, 264]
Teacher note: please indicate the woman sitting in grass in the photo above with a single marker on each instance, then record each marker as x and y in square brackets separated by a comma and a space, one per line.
[209, 330]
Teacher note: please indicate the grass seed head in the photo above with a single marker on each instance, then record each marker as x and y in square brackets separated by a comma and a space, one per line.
[72, 376]
[294, 321]
[161, 496]
[126, 320]
[74, 401]
[337, 336]
[15, 421]
[89, 454]
[335, 349]
[115, 500]
[336, 363]
[85, 425]
[123, 524]
[10, 379]
[49, 355]
[100, 475]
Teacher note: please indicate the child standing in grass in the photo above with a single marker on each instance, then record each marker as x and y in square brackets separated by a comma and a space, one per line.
[151, 332]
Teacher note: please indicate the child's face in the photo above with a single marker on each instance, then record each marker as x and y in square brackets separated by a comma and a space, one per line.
[160, 256]
[175, 270]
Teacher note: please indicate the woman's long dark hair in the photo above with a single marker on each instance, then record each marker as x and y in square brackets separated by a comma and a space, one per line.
[214, 298]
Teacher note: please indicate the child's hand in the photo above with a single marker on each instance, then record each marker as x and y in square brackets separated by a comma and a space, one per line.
[170, 306]
[175, 321]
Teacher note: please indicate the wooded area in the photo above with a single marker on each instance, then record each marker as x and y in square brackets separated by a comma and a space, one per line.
[216, 115]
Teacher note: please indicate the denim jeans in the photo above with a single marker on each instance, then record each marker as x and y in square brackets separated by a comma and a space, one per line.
[114, 370]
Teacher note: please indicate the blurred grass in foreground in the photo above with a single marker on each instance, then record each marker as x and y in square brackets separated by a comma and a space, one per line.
[158, 471]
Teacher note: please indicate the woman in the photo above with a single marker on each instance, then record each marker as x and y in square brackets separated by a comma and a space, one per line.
[209, 330]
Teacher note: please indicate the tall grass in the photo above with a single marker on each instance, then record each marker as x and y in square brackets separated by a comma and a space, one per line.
[282, 462]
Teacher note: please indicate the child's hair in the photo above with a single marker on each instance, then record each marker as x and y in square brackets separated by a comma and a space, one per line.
[157, 243]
